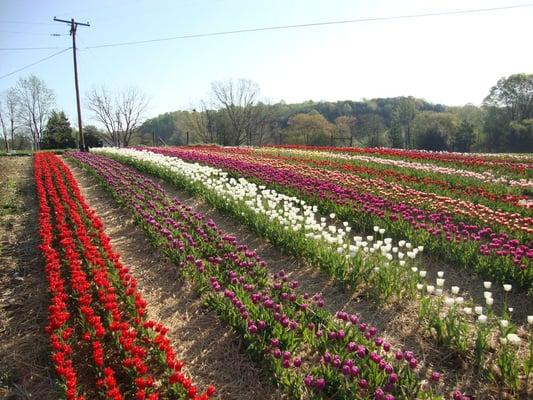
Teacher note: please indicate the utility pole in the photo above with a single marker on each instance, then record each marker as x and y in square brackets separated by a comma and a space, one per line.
[73, 27]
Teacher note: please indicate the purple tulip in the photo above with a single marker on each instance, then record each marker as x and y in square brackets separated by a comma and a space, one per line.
[320, 384]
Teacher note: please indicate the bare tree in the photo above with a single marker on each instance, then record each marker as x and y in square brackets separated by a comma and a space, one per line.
[202, 124]
[35, 101]
[11, 111]
[119, 112]
[238, 99]
[4, 130]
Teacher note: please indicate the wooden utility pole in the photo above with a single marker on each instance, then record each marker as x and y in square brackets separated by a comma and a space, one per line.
[73, 27]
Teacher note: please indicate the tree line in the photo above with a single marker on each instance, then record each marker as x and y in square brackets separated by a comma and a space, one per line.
[29, 119]
[235, 115]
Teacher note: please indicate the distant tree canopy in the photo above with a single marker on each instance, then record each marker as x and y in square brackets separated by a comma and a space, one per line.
[58, 132]
[236, 115]
[309, 129]
[509, 111]
[92, 136]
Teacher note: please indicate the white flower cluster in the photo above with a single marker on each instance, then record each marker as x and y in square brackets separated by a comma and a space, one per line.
[290, 212]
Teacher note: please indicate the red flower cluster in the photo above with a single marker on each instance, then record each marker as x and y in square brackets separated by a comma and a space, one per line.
[97, 323]
[502, 163]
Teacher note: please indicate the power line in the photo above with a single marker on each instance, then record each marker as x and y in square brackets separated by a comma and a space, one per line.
[25, 22]
[312, 24]
[35, 63]
[272, 28]
[25, 33]
[28, 48]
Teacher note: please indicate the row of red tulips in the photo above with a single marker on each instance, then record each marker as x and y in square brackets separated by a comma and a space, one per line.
[494, 196]
[103, 344]
[505, 164]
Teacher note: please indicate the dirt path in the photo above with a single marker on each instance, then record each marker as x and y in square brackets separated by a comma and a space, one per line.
[396, 324]
[213, 354]
[25, 370]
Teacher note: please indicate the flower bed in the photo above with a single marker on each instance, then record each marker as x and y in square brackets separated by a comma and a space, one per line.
[103, 344]
[311, 352]
[493, 253]
[292, 225]
[516, 166]
[451, 182]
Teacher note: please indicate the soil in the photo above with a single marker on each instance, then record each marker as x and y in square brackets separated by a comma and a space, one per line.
[25, 369]
[212, 352]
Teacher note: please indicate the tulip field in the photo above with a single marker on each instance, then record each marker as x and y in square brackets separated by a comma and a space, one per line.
[423, 263]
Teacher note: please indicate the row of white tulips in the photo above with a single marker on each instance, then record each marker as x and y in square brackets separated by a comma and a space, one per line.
[292, 213]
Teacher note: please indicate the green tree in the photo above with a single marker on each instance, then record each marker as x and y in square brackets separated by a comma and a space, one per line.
[346, 127]
[509, 106]
[406, 112]
[463, 137]
[395, 134]
[514, 94]
[58, 132]
[311, 130]
[434, 130]
[93, 136]
[370, 128]
[520, 137]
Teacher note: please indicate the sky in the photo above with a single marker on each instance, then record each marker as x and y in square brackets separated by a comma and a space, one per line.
[452, 59]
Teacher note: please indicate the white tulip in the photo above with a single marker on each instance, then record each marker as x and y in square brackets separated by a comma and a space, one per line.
[513, 338]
